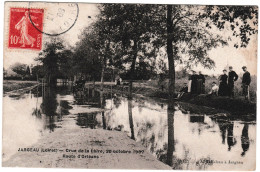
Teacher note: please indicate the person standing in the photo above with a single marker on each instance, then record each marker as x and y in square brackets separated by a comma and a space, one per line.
[194, 79]
[201, 83]
[223, 86]
[246, 80]
[232, 77]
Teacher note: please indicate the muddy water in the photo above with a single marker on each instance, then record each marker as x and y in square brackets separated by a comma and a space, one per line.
[177, 137]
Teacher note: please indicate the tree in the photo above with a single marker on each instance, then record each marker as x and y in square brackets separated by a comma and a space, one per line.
[65, 64]
[86, 60]
[4, 72]
[131, 35]
[19, 68]
[38, 72]
[127, 33]
[189, 32]
[50, 58]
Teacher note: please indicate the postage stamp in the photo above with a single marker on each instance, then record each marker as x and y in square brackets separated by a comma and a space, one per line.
[22, 33]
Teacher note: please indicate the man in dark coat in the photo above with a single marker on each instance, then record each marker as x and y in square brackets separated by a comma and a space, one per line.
[201, 83]
[194, 80]
[232, 77]
[246, 80]
[223, 85]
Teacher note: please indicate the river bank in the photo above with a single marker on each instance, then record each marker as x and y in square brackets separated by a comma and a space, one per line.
[13, 85]
[236, 106]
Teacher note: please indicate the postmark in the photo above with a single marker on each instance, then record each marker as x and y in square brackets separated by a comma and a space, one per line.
[59, 17]
[22, 34]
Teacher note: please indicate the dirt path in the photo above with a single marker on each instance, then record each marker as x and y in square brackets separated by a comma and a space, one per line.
[73, 137]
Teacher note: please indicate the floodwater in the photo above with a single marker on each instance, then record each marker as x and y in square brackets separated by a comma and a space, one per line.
[177, 137]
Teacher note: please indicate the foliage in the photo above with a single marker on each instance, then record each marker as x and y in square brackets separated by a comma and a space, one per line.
[242, 20]
[56, 61]
[131, 32]
[129, 38]
[38, 70]
[86, 60]
[20, 69]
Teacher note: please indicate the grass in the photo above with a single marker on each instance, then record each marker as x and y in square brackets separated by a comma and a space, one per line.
[180, 82]
[11, 85]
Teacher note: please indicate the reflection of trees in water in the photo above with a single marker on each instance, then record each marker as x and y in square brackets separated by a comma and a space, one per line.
[88, 120]
[104, 120]
[131, 123]
[148, 104]
[102, 106]
[51, 123]
[64, 107]
[37, 91]
[166, 154]
[49, 107]
[37, 112]
[170, 119]
[49, 102]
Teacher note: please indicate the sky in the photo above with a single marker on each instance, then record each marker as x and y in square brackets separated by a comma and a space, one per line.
[71, 36]
[222, 56]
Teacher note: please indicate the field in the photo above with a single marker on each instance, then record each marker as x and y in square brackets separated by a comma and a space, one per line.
[11, 85]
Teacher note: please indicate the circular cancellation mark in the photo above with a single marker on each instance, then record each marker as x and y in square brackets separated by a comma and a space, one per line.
[58, 17]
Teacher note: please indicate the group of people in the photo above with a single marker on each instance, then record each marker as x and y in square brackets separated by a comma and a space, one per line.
[227, 82]
[196, 84]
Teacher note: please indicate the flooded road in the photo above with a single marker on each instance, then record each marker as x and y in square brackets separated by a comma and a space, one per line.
[177, 137]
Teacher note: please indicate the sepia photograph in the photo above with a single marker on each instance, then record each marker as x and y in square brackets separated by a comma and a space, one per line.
[129, 86]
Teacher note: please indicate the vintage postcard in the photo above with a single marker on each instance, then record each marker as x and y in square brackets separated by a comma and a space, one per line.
[129, 86]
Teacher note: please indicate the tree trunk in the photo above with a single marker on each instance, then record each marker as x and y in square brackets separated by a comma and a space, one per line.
[170, 53]
[132, 70]
[104, 65]
[102, 75]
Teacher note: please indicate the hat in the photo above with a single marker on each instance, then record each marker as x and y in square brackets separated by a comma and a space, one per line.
[243, 67]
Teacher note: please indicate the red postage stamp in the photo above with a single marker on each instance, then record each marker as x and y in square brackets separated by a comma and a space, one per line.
[25, 28]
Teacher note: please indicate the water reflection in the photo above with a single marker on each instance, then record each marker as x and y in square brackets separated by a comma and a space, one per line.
[170, 119]
[32, 114]
[131, 118]
[49, 102]
[181, 137]
[230, 137]
[176, 136]
[88, 120]
[245, 140]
